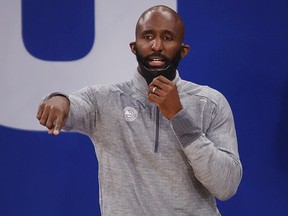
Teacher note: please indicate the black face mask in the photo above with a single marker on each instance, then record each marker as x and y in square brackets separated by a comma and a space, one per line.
[149, 73]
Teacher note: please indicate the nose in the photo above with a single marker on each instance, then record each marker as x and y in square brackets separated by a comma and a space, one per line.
[157, 45]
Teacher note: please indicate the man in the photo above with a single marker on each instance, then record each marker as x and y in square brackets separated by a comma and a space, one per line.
[165, 146]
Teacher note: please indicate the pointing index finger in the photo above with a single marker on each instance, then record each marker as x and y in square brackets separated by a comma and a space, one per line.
[57, 127]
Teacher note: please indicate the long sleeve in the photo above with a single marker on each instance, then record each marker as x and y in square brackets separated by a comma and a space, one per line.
[213, 154]
[83, 111]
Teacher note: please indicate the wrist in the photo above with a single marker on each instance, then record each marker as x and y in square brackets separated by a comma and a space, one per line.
[54, 94]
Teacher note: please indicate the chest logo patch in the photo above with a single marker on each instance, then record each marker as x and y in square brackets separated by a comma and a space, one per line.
[130, 114]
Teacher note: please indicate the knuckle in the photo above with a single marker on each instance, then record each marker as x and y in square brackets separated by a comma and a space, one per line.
[55, 111]
[53, 108]
[47, 107]
[42, 122]
[42, 105]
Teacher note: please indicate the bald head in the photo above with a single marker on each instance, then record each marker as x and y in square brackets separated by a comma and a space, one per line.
[155, 15]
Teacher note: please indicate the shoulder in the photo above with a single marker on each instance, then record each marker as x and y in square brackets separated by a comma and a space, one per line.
[202, 91]
[100, 93]
[105, 89]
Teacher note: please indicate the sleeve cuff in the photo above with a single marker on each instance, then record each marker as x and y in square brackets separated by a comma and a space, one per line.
[185, 128]
[56, 94]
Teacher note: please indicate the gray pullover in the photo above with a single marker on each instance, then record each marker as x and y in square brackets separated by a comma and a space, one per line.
[149, 165]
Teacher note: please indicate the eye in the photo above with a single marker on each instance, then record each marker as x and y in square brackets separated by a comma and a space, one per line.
[168, 37]
[148, 36]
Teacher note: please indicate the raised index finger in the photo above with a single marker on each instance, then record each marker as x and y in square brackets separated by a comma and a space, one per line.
[162, 83]
[163, 80]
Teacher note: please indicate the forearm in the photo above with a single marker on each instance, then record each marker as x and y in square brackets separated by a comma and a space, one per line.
[215, 160]
[82, 115]
[217, 169]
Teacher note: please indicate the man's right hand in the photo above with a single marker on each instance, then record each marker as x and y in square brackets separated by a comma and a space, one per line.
[53, 113]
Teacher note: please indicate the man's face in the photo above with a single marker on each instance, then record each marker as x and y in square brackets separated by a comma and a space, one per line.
[157, 62]
[158, 46]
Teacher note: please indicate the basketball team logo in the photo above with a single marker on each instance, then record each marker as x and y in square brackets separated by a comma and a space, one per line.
[130, 113]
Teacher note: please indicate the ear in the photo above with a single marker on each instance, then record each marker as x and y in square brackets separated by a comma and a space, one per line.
[133, 47]
[184, 50]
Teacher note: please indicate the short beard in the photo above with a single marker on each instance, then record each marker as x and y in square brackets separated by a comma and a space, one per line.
[150, 73]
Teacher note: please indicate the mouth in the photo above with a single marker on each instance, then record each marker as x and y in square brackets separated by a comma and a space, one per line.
[156, 62]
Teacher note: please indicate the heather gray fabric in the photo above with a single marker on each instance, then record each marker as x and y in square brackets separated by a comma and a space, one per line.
[151, 166]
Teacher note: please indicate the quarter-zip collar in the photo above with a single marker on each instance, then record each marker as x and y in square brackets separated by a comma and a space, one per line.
[141, 84]
[157, 130]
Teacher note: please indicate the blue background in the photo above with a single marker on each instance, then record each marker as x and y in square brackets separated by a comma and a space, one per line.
[58, 30]
[239, 47]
